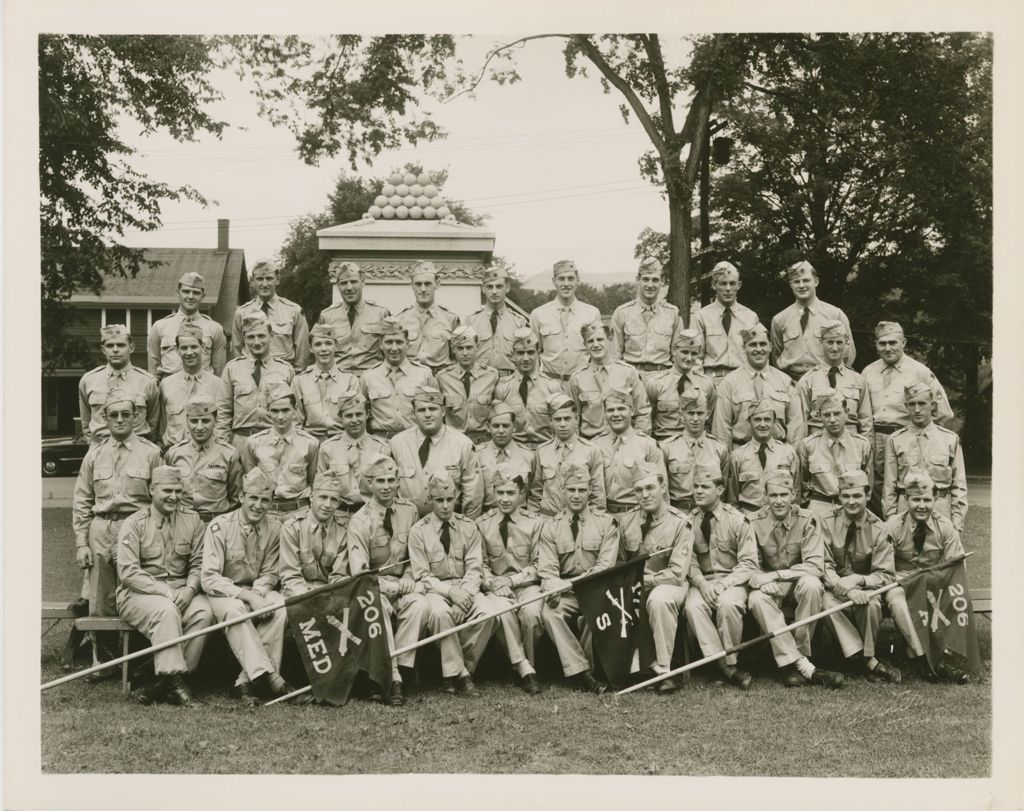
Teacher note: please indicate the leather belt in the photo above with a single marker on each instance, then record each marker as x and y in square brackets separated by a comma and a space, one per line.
[478, 436]
[886, 427]
[748, 505]
[113, 515]
[206, 516]
[287, 505]
[652, 367]
[553, 376]
[505, 372]
[619, 507]
[246, 431]
[349, 508]
[939, 491]
[685, 504]
[823, 497]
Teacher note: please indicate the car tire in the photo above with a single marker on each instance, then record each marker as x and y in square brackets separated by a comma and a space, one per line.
[51, 468]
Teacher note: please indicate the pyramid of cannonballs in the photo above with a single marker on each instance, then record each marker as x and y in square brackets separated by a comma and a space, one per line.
[409, 197]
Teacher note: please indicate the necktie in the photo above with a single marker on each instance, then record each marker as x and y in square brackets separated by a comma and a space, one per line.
[351, 315]
[265, 306]
[759, 385]
[919, 533]
[683, 383]
[563, 451]
[467, 381]
[425, 452]
[193, 383]
[804, 316]
[762, 454]
[320, 533]
[120, 451]
[851, 538]
[446, 536]
[645, 528]
[257, 371]
[705, 526]
[494, 322]
[321, 384]
[574, 525]
[503, 529]
[524, 388]
[832, 377]
[727, 319]
[388, 527]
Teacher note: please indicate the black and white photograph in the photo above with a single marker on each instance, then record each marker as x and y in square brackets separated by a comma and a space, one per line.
[419, 401]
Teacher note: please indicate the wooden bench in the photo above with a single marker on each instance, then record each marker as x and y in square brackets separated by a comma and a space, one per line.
[90, 626]
[982, 599]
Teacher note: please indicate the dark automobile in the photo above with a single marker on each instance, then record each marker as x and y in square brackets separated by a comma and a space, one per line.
[62, 455]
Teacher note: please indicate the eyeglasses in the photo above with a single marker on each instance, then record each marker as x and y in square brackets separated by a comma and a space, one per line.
[120, 415]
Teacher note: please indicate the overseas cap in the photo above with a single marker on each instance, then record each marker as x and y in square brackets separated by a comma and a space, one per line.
[832, 329]
[524, 337]
[112, 331]
[688, 339]
[830, 400]
[115, 396]
[322, 331]
[495, 274]
[257, 482]
[780, 478]
[441, 484]
[280, 391]
[501, 408]
[463, 335]
[327, 481]
[254, 321]
[564, 266]
[263, 267]
[390, 325]
[799, 268]
[723, 270]
[707, 473]
[918, 483]
[379, 465]
[693, 398]
[558, 401]
[424, 270]
[852, 478]
[336, 271]
[165, 474]
[648, 264]
[589, 329]
[190, 331]
[427, 394]
[200, 407]
[917, 389]
[883, 328]
[507, 473]
[765, 404]
[618, 396]
[348, 401]
[755, 332]
[575, 474]
[192, 279]
[645, 471]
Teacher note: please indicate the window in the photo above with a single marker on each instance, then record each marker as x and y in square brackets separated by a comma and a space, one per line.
[114, 315]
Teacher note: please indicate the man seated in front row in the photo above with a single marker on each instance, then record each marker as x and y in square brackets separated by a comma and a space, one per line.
[159, 555]
[313, 542]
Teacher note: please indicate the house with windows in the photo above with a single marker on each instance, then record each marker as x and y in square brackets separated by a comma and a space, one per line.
[139, 301]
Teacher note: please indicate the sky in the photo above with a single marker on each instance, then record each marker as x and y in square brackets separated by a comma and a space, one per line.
[550, 159]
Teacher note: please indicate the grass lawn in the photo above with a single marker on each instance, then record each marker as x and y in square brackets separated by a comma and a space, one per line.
[864, 730]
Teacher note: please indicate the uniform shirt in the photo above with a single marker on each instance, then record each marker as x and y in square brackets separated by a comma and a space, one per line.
[242, 403]
[310, 553]
[358, 343]
[163, 351]
[429, 332]
[175, 391]
[370, 546]
[594, 549]
[158, 553]
[888, 385]
[516, 560]
[589, 385]
[346, 457]
[490, 456]
[494, 348]
[533, 425]
[793, 547]
[114, 477]
[722, 351]
[238, 555]
[729, 556]
[211, 474]
[289, 460]
[934, 450]
[797, 351]
[439, 571]
[136, 382]
[547, 486]
[388, 391]
[745, 478]
[738, 393]
[941, 541]
[850, 385]
[621, 454]
[663, 394]
[289, 333]
[670, 530]
[467, 413]
[870, 555]
[451, 451]
[317, 392]
[823, 458]
[557, 328]
[644, 334]
[684, 453]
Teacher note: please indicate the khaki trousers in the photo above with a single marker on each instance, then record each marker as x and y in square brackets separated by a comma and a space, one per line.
[256, 644]
[896, 599]
[521, 628]
[664, 602]
[408, 614]
[460, 652]
[158, 619]
[854, 638]
[807, 592]
[556, 623]
[726, 630]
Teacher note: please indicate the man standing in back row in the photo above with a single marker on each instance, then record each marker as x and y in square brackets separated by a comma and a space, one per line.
[557, 326]
[643, 330]
[721, 321]
[495, 323]
[289, 332]
[356, 322]
[161, 346]
[428, 324]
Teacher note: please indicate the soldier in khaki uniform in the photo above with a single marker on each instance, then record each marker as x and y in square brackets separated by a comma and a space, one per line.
[241, 558]
[428, 324]
[510, 535]
[791, 558]
[432, 447]
[502, 449]
[527, 391]
[356, 322]
[580, 540]
[624, 450]
[724, 558]
[378, 535]
[652, 527]
[347, 454]
[468, 387]
[312, 543]
[644, 330]
[547, 486]
[113, 482]
[242, 405]
[389, 386]
[858, 559]
[665, 390]
[118, 373]
[719, 324]
[446, 556]
[796, 347]
[557, 325]
[692, 449]
[161, 345]
[823, 458]
[496, 324]
[159, 555]
[751, 465]
[211, 469]
[751, 384]
[190, 380]
[923, 445]
[921, 537]
[289, 332]
[320, 388]
[286, 454]
[589, 385]
[833, 376]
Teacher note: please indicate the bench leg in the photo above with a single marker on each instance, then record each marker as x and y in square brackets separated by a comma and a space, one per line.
[126, 685]
[95, 648]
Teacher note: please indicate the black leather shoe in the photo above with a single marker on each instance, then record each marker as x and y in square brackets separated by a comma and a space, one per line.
[734, 675]
[177, 690]
[152, 692]
[791, 677]
[466, 687]
[529, 684]
[448, 685]
[952, 674]
[395, 697]
[247, 695]
[884, 672]
[667, 686]
[827, 678]
[586, 683]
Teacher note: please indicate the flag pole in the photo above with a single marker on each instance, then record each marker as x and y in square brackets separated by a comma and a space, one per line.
[787, 628]
[297, 598]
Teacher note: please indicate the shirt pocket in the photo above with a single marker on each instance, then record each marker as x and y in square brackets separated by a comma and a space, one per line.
[634, 335]
[296, 472]
[792, 331]
[495, 549]
[378, 389]
[136, 481]
[213, 482]
[939, 469]
[565, 546]
[437, 331]
[818, 466]
[103, 483]
[680, 467]
[591, 543]
[281, 329]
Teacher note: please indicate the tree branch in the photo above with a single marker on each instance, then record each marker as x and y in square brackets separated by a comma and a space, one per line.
[653, 48]
[494, 53]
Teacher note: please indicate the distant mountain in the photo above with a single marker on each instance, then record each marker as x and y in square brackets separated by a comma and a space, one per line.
[542, 281]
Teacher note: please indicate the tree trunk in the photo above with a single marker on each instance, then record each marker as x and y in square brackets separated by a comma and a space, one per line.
[680, 262]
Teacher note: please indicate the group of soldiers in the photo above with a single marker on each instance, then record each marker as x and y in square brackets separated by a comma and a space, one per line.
[477, 463]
